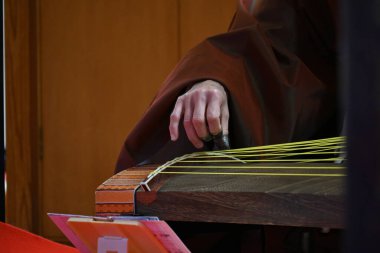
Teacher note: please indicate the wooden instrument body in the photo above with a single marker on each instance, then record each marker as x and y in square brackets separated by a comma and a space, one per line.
[284, 198]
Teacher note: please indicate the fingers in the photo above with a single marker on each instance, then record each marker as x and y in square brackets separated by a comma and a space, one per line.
[213, 116]
[175, 117]
[198, 118]
[225, 118]
[188, 124]
[205, 111]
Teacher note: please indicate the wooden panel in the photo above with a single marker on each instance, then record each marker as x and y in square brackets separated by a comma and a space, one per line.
[21, 115]
[200, 19]
[286, 199]
[86, 71]
[285, 194]
[101, 64]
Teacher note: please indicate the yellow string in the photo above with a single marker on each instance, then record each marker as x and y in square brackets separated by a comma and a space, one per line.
[253, 174]
[256, 167]
[261, 160]
[292, 144]
[273, 153]
[292, 148]
[293, 151]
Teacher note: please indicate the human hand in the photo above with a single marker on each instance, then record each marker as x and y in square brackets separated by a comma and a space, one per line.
[205, 112]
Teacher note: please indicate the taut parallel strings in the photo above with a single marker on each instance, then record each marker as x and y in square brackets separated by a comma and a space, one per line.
[254, 174]
[313, 158]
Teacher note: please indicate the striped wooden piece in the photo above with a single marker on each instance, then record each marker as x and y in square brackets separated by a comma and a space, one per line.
[116, 196]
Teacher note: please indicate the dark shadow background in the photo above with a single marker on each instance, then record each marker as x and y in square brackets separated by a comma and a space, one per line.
[2, 158]
[360, 69]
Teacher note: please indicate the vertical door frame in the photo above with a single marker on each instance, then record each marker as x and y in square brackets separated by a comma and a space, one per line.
[22, 114]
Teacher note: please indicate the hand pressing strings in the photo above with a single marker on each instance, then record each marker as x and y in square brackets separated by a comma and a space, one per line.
[205, 114]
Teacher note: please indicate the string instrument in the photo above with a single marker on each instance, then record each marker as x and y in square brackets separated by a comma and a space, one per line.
[291, 184]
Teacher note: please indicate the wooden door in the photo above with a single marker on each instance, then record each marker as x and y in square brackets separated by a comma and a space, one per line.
[96, 67]
[101, 63]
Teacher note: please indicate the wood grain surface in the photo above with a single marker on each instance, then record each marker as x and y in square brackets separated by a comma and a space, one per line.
[80, 74]
[102, 62]
[315, 201]
[22, 133]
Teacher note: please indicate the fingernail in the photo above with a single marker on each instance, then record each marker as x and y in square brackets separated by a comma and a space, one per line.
[207, 138]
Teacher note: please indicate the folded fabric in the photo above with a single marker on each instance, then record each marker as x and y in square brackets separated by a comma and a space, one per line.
[16, 240]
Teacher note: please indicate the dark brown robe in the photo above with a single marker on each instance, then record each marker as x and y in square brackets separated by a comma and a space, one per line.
[278, 64]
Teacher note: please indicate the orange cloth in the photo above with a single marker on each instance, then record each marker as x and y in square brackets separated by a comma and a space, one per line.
[15, 240]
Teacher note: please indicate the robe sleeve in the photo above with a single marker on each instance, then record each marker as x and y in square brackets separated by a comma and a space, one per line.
[278, 65]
